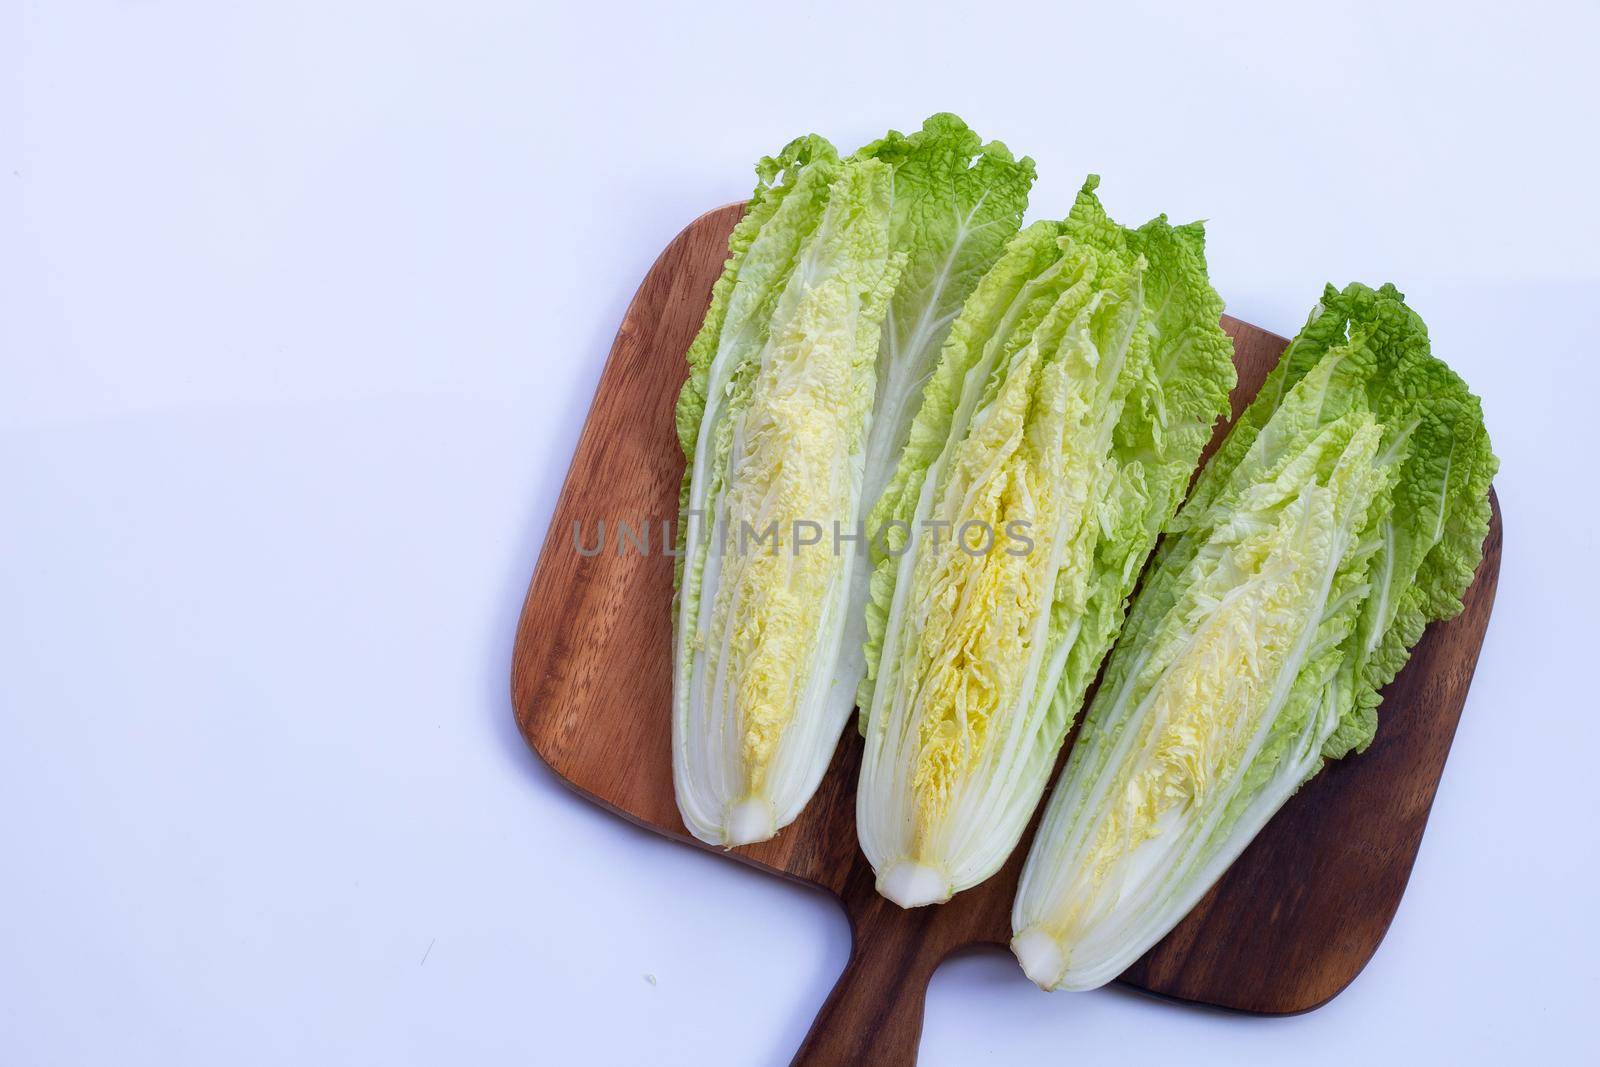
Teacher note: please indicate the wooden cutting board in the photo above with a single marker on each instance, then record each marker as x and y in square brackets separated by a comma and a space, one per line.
[1290, 924]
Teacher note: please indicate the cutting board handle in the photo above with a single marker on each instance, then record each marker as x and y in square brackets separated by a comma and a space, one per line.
[874, 1013]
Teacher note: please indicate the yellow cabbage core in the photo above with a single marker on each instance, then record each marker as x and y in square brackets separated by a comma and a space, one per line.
[983, 595]
[1205, 712]
[792, 463]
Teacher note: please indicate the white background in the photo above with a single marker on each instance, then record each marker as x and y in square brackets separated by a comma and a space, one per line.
[301, 308]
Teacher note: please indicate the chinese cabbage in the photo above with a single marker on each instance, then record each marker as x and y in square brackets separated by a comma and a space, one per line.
[1346, 507]
[1070, 403]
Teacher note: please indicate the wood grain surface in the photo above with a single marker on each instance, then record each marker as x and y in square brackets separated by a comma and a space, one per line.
[1290, 924]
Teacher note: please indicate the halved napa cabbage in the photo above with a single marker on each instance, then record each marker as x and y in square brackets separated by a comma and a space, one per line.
[1057, 435]
[841, 281]
[1346, 508]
